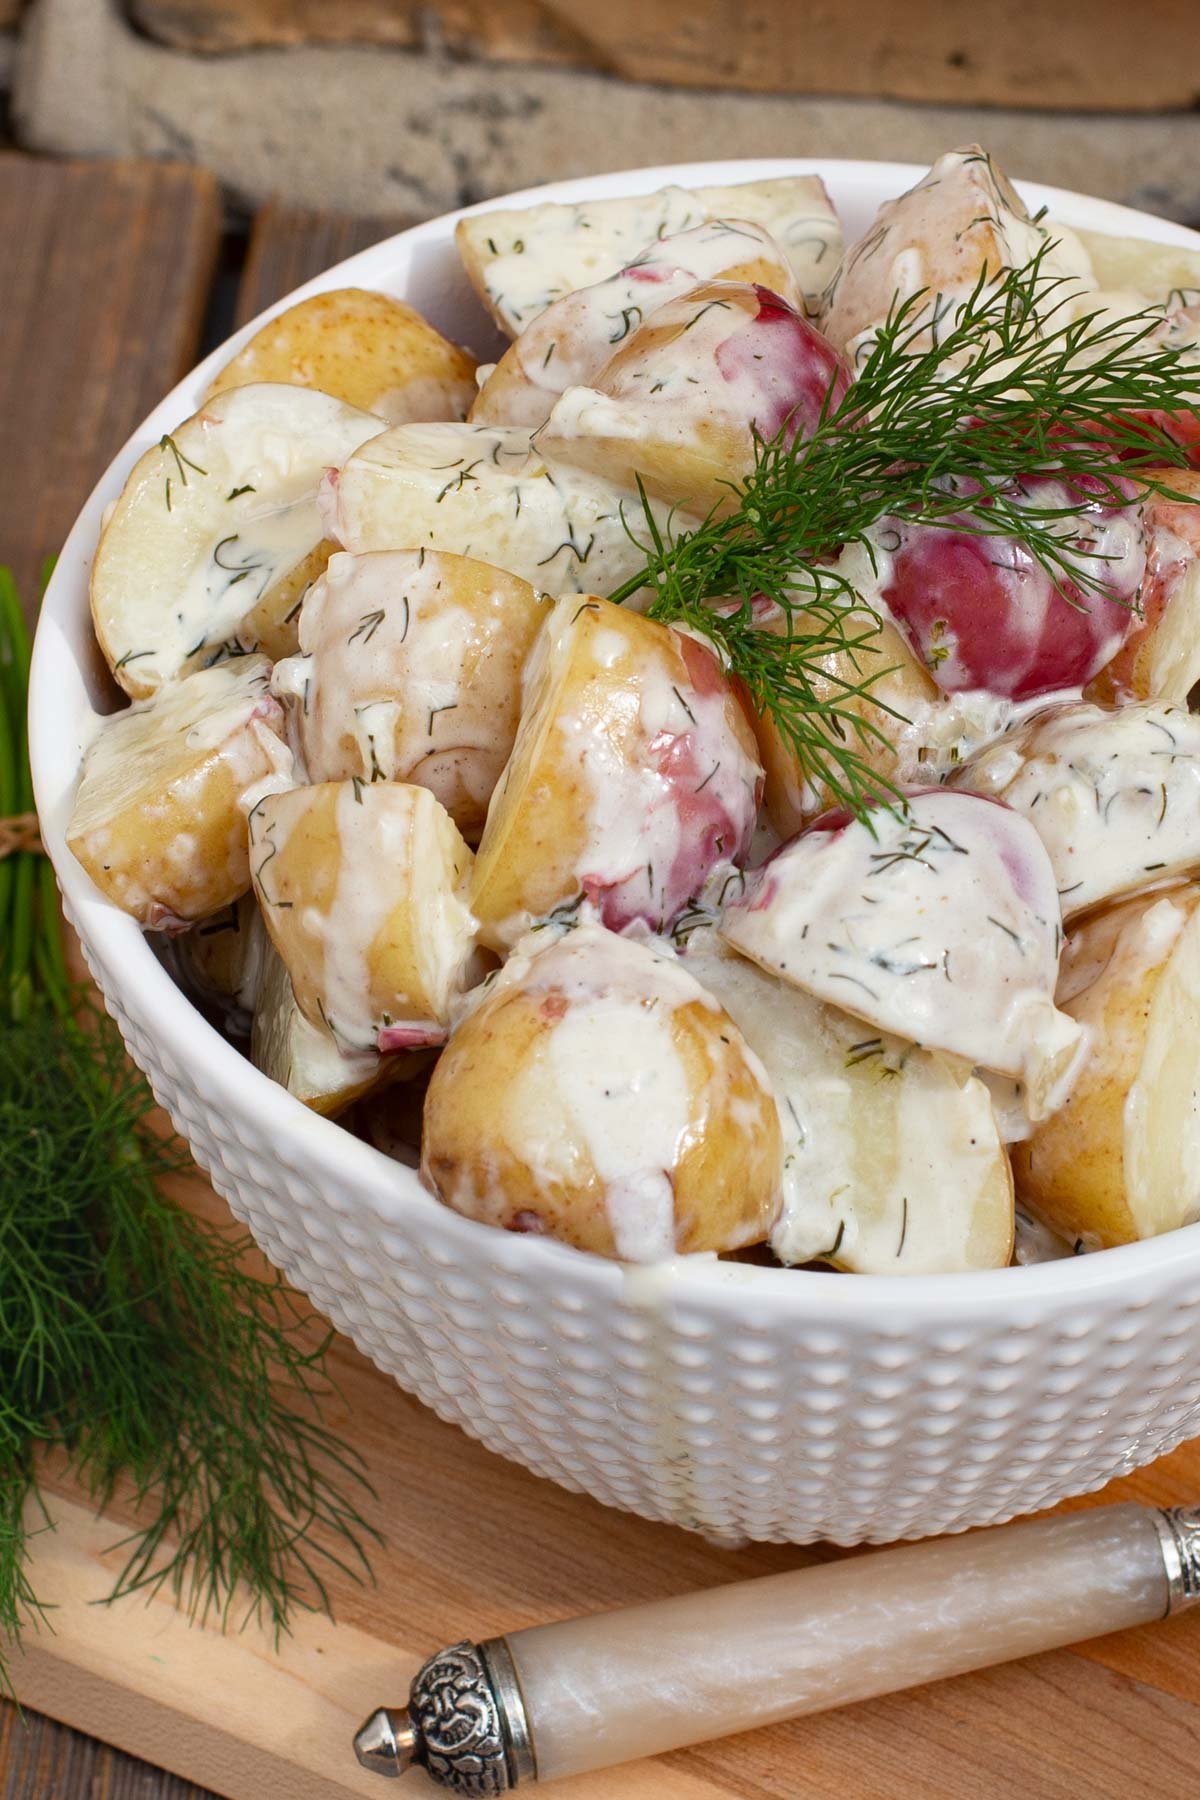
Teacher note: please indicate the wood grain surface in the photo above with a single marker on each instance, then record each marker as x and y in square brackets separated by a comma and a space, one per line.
[476, 1545]
[1077, 54]
[106, 277]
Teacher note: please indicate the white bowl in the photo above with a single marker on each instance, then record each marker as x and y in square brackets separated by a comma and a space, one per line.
[730, 1398]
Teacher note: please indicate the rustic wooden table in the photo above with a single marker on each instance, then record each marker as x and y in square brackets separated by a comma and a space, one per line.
[116, 276]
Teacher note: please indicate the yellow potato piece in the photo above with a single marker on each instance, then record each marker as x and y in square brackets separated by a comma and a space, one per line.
[304, 1058]
[221, 959]
[1160, 659]
[583, 804]
[362, 891]
[599, 1096]
[1168, 273]
[412, 672]
[892, 1160]
[877, 655]
[158, 821]
[963, 220]
[365, 348]
[1121, 1159]
[217, 534]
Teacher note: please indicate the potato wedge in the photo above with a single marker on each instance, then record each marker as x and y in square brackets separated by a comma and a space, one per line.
[892, 1161]
[521, 259]
[362, 889]
[683, 403]
[899, 695]
[1113, 793]
[1168, 273]
[412, 672]
[158, 821]
[221, 961]
[961, 220]
[216, 533]
[304, 1058]
[568, 344]
[1160, 659]
[1121, 1159]
[598, 1095]
[484, 491]
[941, 926]
[633, 776]
[367, 349]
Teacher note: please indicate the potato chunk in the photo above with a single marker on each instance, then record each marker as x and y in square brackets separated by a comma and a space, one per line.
[892, 1161]
[1121, 1159]
[158, 821]
[412, 672]
[521, 259]
[962, 221]
[573, 339]
[365, 348]
[486, 492]
[685, 399]
[599, 1095]
[304, 1058]
[1160, 659]
[216, 533]
[362, 890]
[633, 776]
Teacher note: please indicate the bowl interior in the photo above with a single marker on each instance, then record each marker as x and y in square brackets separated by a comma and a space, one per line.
[69, 684]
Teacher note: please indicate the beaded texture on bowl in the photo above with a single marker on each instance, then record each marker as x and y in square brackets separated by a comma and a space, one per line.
[731, 1399]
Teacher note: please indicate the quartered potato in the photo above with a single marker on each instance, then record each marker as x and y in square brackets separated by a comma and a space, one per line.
[892, 1160]
[1167, 273]
[486, 492]
[303, 1057]
[940, 925]
[895, 693]
[961, 220]
[568, 344]
[685, 400]
[1160, 659]
[1113, 793]
[412, 672]
[1121, 1159]
[521, 259]
[363, 892]
[158, 821]
[216, 534]
[633, 776]
[367, 349]
[598, 1095]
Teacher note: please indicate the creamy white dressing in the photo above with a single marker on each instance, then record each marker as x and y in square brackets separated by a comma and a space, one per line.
[1114, 795]
[526, 258]
[485, 492]
[942, 927]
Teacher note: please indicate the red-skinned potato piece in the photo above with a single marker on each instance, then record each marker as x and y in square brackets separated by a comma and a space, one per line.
[1160, 659]
[982, 612]
[679, 404]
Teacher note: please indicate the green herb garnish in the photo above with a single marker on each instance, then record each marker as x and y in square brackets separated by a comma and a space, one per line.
[134, 1336]
[952, 412]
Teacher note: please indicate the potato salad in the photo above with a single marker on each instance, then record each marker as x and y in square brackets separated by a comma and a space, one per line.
[722, 776]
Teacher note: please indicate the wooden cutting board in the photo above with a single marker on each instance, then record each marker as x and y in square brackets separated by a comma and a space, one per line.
[109, 272]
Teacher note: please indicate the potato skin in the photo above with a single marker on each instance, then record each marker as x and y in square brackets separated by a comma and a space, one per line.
[157, 821]
[505, 1141]
[1082, 1168]
[1160, 659]
[374, 352]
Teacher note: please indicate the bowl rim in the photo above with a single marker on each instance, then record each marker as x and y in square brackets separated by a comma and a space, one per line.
[392, 1190]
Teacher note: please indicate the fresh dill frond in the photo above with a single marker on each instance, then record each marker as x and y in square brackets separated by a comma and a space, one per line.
[945, 423]
[135, 1337]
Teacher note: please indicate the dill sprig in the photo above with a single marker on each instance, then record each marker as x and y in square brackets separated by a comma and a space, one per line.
[952, 417]
[136, 1338]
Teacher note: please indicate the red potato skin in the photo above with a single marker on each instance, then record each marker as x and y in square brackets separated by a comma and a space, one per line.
[795, 373]
[982, 613]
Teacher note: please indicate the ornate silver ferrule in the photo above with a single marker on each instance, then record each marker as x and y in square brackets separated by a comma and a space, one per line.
[1179, 1535]
[465, 1724]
